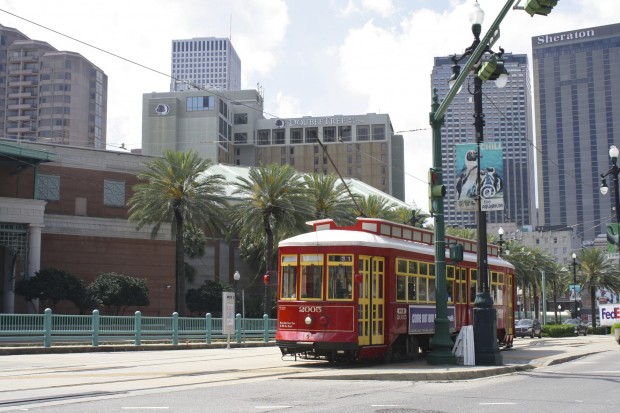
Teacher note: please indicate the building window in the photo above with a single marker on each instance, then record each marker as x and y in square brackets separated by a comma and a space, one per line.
[114, 193]
[297, 135]
[200, 103]
[241, 137]
[362, 132]
[329, 134]
[263, 137]
[278, 136]
[378, 132]
[241, 119]
[312, 135]
[48, 187]
[344, 133]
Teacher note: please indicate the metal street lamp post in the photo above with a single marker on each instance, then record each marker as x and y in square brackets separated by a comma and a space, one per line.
[614, 171]
[485, 316]
[441, 344]
[575, 315]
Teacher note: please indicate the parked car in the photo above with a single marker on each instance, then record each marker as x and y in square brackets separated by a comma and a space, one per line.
[580, 326]
[528, 327]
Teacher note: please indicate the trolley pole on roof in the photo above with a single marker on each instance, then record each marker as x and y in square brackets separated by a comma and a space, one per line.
[441, 352]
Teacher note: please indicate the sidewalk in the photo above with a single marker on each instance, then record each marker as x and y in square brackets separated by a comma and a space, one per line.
[527, 354]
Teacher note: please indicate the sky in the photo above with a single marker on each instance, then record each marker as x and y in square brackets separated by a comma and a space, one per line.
[311, 58]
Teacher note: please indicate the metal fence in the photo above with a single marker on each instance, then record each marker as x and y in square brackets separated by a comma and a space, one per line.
[48, 328]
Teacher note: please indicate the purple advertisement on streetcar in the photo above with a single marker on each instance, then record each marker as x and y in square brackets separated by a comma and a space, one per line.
[422, 319]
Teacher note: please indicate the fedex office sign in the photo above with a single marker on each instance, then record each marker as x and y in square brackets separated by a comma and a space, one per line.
[609, 314]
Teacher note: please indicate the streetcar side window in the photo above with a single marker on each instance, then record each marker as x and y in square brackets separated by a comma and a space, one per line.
[450, 283]
[411, 288]
[422, 289]
[289, 282]
[340, 282]
[401, 287]
[473, 275]
[311, 277]
[497, 288]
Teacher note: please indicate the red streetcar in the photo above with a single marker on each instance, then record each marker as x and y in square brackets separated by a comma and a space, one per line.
[368, 291]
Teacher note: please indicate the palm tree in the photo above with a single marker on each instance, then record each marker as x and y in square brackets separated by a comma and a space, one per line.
[374, 206]
[411, 216]
[596, 271]
[274, 204]
[177, 191]
[331, 198]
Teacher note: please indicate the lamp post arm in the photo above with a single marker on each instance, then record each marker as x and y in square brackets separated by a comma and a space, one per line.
[475, 56]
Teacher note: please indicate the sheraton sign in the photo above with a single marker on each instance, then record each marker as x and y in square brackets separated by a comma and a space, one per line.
[561, 37]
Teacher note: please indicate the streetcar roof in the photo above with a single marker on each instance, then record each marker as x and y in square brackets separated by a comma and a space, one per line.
[335, 237]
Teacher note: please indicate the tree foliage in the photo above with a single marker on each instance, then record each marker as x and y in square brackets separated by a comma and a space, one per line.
[274, 205]
[177, 190]
[206, 299]
[51, 286]
[330, 198]
[595, 270]
[118, 291]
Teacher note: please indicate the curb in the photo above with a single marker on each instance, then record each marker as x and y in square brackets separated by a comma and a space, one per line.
[8, 351]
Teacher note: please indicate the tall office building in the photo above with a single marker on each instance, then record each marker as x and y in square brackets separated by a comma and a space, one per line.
[205, 63]
[48, 95]
[577, 102]
[508, 119]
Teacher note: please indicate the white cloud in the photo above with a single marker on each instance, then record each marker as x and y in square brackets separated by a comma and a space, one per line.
[384, 7]
[283, 106]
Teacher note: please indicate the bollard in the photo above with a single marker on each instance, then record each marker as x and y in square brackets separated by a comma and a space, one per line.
[266, 328]
[138, 329]
[95, 328]
[209, 328]
[47, 328]
[175, 328]
[238, 328]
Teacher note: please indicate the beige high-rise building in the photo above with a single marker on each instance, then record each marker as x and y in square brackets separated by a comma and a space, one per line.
[50, 96]
[229, 127]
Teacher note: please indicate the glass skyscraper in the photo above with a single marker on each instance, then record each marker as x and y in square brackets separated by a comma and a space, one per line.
[508, 118]
[577, 106]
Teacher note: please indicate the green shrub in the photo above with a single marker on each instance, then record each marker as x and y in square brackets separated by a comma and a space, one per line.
[559, 330]
[599, 330]
[614, 326]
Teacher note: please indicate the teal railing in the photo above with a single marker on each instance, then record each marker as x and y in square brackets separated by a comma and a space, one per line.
[48, 328]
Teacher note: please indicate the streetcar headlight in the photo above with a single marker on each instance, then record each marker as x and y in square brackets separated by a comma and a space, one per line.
[308, 320]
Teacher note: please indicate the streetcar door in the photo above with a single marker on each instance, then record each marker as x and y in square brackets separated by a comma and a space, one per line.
[371, 301]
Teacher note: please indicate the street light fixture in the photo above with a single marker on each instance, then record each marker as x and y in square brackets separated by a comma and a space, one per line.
[614, 171]
[485, 316]
[236, 277]
[575, 315]
[501, 241]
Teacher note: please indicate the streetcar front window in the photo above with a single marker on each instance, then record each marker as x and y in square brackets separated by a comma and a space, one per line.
[340, 282]
[311, 281]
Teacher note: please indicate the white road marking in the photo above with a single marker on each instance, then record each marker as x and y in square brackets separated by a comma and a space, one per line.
[494, 404]
[146, 408]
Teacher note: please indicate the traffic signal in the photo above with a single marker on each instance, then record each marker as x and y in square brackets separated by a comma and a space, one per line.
[542, 7]
[456, 253]
[266, 279]
[435, 190]
[434, 187]
[488, 68]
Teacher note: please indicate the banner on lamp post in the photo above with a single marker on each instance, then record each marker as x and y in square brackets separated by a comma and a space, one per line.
[491, 176]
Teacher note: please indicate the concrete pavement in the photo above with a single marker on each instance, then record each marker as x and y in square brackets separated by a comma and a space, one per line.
[527, 354]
